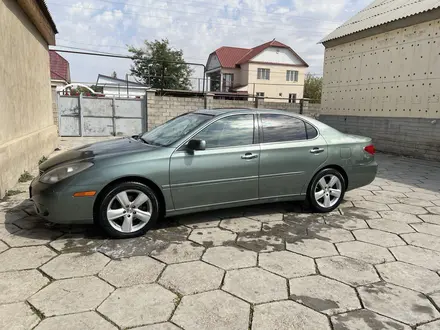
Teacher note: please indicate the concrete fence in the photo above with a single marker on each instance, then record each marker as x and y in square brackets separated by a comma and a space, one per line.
[414, 137]
[163, 108]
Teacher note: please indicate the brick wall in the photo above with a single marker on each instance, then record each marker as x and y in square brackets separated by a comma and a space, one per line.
[163, 108]
[415, 137]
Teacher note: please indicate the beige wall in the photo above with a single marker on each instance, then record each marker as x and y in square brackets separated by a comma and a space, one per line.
[392, 74]
[277, 83]
[27, 129]
[236, 73]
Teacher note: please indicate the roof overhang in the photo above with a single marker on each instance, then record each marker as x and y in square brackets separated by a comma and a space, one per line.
[39, 15]
[334, 39]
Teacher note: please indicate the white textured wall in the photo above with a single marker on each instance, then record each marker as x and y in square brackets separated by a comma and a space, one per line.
[393, 74]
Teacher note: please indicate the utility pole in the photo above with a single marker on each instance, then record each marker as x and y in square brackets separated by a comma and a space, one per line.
[163, 77]
[126, 77]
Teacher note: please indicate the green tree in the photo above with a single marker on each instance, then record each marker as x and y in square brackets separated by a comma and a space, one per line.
[80, 89]
[313, 88]
[159, 65]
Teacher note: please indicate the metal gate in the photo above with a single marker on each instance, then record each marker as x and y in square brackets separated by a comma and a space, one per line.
[101, 116]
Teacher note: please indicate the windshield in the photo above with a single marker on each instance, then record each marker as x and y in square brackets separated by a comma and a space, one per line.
[175, 129]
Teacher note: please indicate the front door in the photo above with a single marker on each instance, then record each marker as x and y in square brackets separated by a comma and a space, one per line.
[291, 151]
[225, 172]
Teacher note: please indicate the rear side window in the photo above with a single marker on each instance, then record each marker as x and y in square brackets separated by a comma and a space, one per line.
[280, 128]
[311, 131]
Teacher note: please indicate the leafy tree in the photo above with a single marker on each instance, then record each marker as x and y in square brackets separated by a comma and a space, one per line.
[160, 66]
[313, 88]
[97, 89]
[80, 89]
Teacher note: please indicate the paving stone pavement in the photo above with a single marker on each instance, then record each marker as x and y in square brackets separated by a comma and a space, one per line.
[372, 264]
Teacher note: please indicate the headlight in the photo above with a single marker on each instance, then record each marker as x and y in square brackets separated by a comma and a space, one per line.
[63, 172]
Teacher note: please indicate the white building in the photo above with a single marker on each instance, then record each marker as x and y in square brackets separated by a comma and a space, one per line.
[120, 87]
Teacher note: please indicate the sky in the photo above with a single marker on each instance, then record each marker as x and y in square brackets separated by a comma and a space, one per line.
[197, 27]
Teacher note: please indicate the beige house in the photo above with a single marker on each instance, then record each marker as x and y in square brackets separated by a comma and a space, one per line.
[27, 130]
[382, 76]
[271, 70]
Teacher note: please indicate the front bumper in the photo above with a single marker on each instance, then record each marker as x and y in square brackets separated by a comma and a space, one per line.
[56, 203]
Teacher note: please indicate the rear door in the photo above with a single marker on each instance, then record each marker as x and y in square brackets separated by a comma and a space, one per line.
[291, 151]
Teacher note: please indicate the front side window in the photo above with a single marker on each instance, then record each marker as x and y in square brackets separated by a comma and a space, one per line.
[237, 130]
[291, 75]
[281, 128]
[175, 129]
[263, 74]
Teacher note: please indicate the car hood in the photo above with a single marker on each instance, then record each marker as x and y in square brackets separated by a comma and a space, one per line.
[97, 150]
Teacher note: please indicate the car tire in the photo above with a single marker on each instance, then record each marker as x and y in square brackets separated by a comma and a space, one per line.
[326, 190]
[133, 220]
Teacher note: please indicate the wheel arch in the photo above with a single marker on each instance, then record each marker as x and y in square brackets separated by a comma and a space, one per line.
[131, 178]
[335, 167]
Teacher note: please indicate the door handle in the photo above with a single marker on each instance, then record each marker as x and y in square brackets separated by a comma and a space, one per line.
[316, 150]
[249, 156]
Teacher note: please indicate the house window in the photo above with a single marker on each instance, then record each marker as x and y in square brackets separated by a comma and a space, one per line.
[260, 94]
[291, 75]
[228, 81]
[263, 74]
[292, 97]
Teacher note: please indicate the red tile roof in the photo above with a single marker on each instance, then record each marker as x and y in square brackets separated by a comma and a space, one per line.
[230, 57]
[59, 67]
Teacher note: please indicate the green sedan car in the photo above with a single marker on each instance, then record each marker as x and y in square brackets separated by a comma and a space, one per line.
[199, 161]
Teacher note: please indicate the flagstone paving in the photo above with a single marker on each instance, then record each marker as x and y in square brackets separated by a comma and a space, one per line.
[372, 264]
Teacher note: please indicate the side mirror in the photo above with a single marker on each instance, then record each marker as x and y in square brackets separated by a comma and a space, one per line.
[196, 145]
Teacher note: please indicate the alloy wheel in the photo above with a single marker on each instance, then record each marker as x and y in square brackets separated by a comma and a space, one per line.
[129, 211]
[328, 191]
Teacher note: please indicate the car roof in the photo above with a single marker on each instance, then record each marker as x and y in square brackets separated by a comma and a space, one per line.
[222, 111]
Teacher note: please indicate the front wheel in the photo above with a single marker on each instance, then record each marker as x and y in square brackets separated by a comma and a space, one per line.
[327, 190]
[128, 209]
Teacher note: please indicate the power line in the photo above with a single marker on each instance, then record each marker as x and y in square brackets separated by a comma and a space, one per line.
[98, 53]
[84, 49]
[194, 21]
[109, 46]
[118, 56]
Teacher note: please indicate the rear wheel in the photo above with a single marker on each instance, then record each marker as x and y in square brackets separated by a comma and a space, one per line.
[327, 190]
[128, 209]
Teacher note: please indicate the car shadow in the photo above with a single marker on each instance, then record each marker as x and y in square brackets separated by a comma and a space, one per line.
[22, 221]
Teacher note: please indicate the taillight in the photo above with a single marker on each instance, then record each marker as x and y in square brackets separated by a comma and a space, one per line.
[370, 149]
